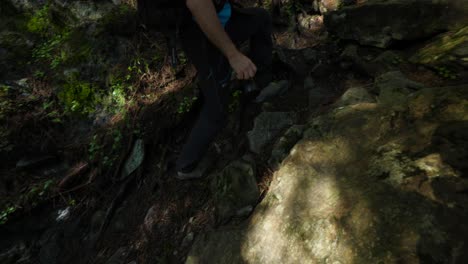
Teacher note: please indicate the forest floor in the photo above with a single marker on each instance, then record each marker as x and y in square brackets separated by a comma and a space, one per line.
[147, 216]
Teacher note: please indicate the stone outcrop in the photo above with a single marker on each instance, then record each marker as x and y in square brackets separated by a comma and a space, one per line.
[380, 23]
[367, 183]
[325, 6]
[267, 126]
[447, 53]
[235, 190]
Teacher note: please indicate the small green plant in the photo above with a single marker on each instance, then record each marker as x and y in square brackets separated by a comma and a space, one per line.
[38, 191]
[117, 136]
[235, 101]
[446, 73]
[94, 148]
[72, 202]
[39, 74]
[137, 68]
[39, 22]
[186, 105]
[78, 96]
[182, 58]
[397, 60]
[118, 94]
[6, 213]
[50, 51]
[4, 90]
[267, 4]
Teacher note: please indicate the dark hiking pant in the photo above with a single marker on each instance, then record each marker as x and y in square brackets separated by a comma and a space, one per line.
[214, 72]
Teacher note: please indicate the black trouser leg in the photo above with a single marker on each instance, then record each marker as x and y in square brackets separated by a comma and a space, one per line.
[214, 70]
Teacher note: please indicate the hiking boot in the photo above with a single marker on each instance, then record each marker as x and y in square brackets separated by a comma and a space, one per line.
[198, 172]
[195, 174]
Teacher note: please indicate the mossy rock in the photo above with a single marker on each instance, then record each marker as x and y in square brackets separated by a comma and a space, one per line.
[235, 190]
[448, 50]
[382, 23]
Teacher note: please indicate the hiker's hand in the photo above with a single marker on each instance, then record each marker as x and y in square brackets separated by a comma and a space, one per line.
[242, 66]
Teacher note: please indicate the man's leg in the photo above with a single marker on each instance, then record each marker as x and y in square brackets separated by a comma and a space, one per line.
[213, 70]
[254, 25]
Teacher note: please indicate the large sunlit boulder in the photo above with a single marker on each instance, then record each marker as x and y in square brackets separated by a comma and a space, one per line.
[366, 184]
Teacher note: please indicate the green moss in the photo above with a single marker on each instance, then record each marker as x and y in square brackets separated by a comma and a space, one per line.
[79, 97]
[48, 51]
[441, 48]
[446, 73]
[34, 195]
[6, 212]
[186, 105]
[39, 22]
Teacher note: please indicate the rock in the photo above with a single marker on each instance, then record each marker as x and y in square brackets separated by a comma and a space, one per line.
[394, 88]
[97, 220]
[385, 62]
[331, 200]
[380, 23]
[88, 11]
[268, 107]
[325, 6]
[27, 5]
[319, 95]
[119, 257]
[33, 162]
[23, 83]
[355, 95]
[309, 83]
[50, 246]
[135, 159]
[63, 215]
[222, 251]
[453, 137]
[310, 25]
[188, 239]
[448, 51]
[55, 170]
[282, 147]
[294, 60]
[234, 189]
[151, 219]
[267, 126]
[18, 253]
[350, 54]
[119, 226]
[16, 49]
[244, 211]
[311, 55]
[272, 90]
[458, 13]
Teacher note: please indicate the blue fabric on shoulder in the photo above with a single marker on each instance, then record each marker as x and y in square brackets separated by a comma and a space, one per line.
[225, 14]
